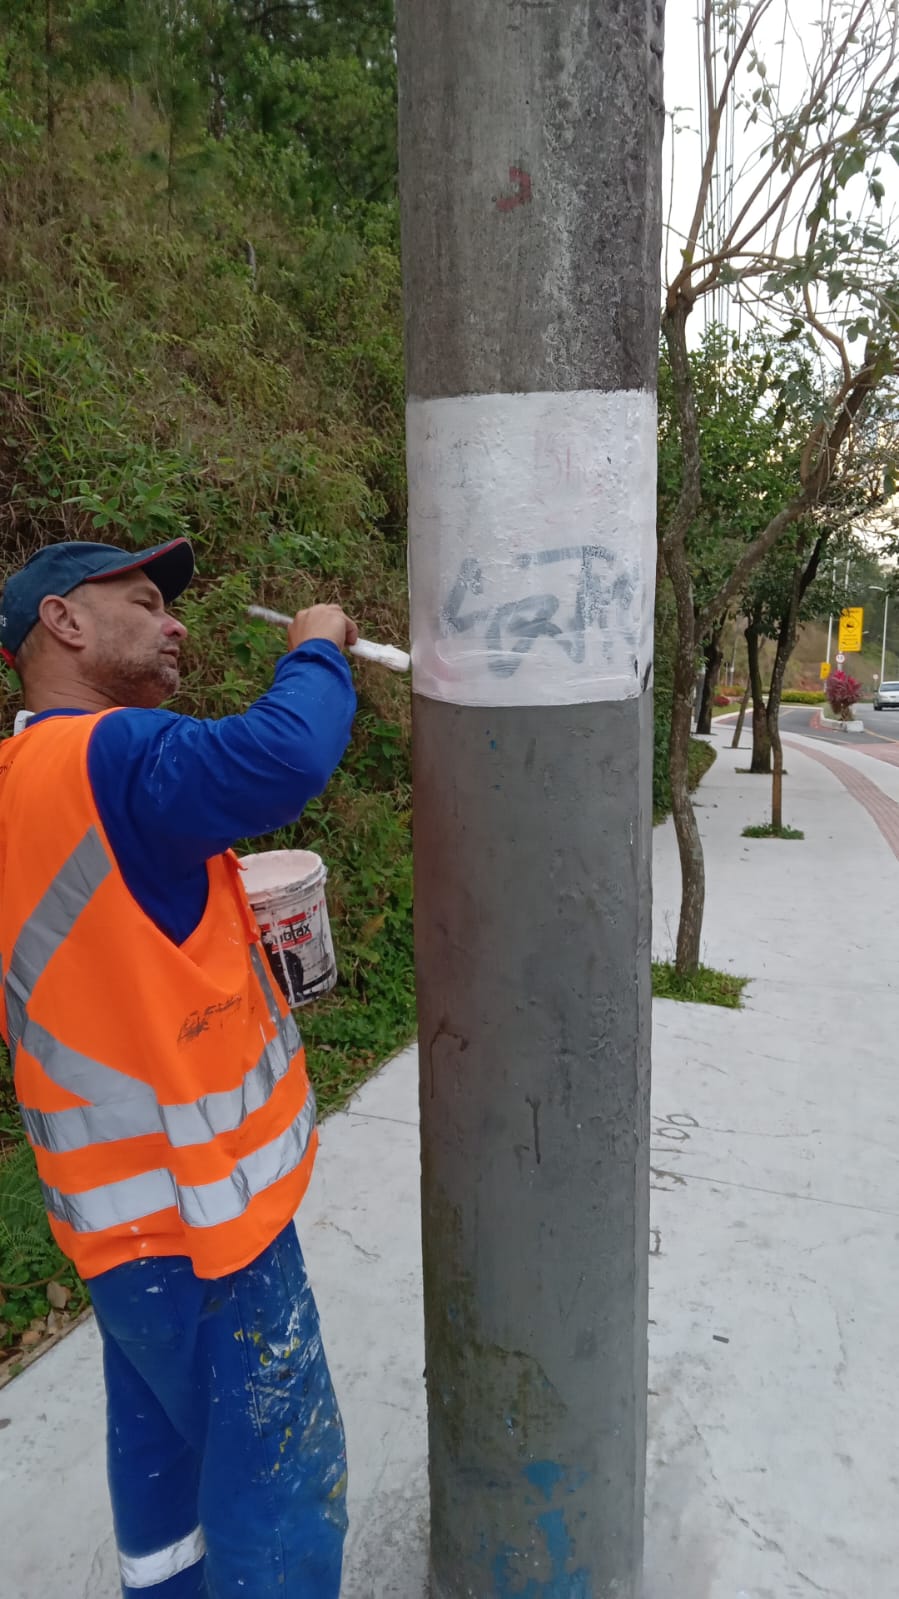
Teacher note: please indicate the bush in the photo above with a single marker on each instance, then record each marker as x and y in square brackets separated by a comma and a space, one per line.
[701, 757]
[802, 696]
[842, 693]
[661, 784]
[721, 700]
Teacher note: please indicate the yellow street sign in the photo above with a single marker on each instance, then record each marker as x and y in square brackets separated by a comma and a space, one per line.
[851, 621]
[825, 670]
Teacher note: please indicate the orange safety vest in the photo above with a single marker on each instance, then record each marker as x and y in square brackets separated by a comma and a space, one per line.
[163, 1087]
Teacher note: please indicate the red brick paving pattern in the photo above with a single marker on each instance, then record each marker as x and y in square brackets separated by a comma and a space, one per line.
[883, 810]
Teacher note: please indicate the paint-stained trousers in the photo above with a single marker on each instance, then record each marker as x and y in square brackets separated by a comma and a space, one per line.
[227, 1466]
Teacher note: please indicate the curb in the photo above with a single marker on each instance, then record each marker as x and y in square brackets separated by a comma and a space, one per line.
[821, 723]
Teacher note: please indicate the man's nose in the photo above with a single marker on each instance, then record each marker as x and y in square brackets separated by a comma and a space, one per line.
[172, 628]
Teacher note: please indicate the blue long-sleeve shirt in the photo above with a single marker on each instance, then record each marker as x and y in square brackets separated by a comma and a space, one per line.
[174, 790]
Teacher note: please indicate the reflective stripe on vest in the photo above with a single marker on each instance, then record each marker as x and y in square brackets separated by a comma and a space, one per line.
[119, 1106]
[128, 1108]
[203, 1205]
[261, 969]
[49, 925]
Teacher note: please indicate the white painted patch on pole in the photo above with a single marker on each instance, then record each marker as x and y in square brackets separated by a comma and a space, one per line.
[532, 546]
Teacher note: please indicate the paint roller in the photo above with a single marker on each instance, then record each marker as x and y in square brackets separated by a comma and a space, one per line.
[383, 654]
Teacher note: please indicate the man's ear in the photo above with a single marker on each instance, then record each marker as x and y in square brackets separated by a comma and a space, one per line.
[61, 616]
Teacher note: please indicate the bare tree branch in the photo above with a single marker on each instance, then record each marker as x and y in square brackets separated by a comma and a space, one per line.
[715, 113]
[674, 330]
[872, 119]
[825, 333]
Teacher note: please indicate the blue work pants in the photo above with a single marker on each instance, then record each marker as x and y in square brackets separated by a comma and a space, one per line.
[226, 1457]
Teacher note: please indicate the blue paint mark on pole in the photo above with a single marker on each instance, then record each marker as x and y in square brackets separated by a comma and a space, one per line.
[507, 1581]
[545, 1475]
[511, 1581]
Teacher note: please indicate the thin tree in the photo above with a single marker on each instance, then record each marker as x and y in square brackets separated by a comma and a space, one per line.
[784, 250]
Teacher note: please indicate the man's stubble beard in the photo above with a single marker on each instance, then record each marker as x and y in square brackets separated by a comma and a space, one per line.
[144, 685]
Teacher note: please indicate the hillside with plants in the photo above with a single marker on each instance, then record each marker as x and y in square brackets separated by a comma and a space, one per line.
[200, 334]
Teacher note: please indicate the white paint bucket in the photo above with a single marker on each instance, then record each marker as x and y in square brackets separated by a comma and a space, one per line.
[286, 890]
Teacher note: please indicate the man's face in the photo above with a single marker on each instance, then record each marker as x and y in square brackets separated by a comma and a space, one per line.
[132, 644]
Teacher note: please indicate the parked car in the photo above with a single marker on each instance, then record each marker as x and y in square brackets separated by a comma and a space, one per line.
[886, 697]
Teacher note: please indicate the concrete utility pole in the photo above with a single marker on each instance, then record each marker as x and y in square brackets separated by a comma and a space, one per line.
[530, 167]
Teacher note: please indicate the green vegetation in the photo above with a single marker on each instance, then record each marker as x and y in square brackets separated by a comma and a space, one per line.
[200, 333]
[798, 696]
[701, 757]
[158, 379]
[768, 830]
[704, 986]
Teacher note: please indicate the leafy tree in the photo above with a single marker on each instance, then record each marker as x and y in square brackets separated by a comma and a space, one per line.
[752, 421]
[320, 79]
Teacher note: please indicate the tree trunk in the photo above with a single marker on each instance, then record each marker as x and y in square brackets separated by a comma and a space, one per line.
[735, 741]
[713, 658]
[785, 645]
[674, 550]
[761, 738]
[777, 780]
[804, 574]
[689, 844]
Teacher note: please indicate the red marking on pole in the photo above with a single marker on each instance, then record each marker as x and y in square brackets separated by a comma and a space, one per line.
[522, 183]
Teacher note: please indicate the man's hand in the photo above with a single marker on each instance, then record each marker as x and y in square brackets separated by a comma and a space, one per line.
[322, 621]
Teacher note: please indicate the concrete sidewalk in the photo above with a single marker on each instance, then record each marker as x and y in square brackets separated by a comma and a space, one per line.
[774, 1410]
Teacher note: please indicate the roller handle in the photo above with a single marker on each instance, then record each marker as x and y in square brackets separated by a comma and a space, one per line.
[364, 650]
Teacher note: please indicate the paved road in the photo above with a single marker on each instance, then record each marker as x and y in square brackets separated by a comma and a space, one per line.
[881, 727]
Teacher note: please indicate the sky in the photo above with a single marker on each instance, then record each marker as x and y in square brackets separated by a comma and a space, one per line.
[789, 32]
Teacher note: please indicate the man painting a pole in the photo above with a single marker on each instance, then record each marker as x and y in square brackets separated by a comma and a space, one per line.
[160, 1075]
[530, 170]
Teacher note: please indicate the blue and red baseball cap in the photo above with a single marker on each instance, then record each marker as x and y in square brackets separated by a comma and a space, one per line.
[60, 568]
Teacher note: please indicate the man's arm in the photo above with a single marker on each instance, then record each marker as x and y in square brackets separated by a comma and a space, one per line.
[177, 790]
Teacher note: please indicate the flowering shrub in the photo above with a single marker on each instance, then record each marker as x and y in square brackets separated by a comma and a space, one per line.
[721, 699]
[842, 692]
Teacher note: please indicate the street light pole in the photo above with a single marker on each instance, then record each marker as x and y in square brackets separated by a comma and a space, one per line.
[878, 588]
[530, 179]
[833, 595]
